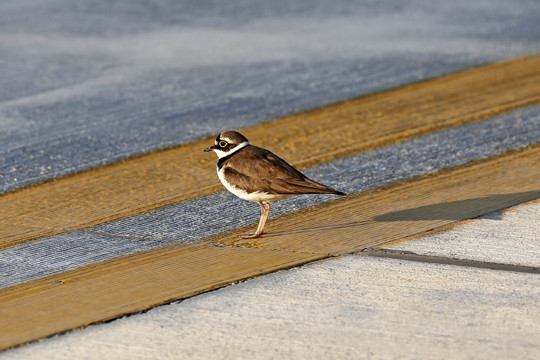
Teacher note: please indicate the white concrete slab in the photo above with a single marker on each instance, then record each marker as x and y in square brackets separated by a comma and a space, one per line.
[351, 307]
[509, 237]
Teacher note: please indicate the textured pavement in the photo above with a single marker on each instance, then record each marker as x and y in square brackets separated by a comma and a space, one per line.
[191, 220]
[357, 307]
[90, 82]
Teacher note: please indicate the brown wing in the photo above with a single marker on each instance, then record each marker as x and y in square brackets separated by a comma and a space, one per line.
[258, 169]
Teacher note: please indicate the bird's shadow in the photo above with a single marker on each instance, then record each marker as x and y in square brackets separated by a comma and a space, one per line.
[455, 210]
[449, 210]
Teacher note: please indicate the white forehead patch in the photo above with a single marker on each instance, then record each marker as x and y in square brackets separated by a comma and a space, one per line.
[225, 139]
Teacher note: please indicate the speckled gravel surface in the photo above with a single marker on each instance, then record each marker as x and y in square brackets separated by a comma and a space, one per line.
[209, 215]
[89, 82]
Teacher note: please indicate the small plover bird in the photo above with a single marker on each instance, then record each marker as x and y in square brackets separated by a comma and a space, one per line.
[256, 174]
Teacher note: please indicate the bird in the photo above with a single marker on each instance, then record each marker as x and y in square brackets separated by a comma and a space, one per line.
[256, 174]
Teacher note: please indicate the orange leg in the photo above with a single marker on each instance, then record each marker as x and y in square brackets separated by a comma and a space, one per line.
[265, 211]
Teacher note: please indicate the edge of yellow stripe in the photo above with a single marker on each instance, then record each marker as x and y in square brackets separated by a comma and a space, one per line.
[138, 281]
[164, 177]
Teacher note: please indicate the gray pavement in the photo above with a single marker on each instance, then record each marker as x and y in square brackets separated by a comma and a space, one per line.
[198, 218]
[357, 307]
[89, 82]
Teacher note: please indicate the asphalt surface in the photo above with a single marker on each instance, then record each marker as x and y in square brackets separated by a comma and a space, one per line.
[92, 82]
[353, 307]
[201, 217]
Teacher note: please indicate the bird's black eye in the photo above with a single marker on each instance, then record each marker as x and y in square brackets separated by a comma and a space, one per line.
[222, 144]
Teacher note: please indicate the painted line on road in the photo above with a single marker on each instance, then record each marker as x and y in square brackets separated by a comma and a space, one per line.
[137, 282]
[404, 209]
[209, 215]
[128, 284]
[164, 177]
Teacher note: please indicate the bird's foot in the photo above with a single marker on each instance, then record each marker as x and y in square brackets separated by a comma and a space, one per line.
[250, 235]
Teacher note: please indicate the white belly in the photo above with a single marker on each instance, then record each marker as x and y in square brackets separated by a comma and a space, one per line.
[256, 196]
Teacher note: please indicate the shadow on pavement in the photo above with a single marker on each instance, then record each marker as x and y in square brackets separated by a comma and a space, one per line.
[455, 210]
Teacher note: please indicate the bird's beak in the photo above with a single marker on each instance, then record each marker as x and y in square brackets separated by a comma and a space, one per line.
[210, 148]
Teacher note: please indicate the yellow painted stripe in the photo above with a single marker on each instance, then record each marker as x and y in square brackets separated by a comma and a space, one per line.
[133, 283]
[136, 282]
[164, 177]
[413, 206]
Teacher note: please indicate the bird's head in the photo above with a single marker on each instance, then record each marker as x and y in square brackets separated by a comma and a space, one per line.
[227, 143]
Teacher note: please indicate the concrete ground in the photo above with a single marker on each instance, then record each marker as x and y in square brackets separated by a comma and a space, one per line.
[356, 306]
[91, 82]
